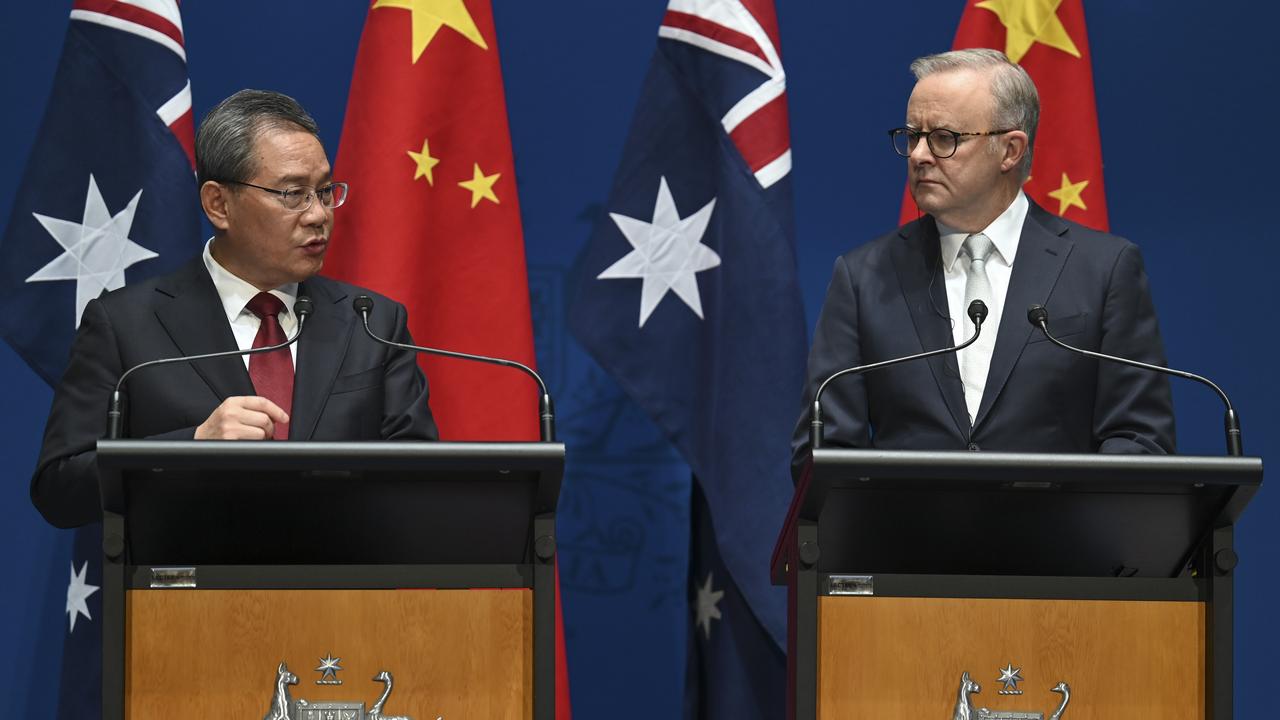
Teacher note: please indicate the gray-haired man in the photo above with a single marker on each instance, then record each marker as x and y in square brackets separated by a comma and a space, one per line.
[970, 125]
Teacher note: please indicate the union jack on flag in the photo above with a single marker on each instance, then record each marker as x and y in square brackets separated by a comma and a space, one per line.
[689, 298]
[108, 196]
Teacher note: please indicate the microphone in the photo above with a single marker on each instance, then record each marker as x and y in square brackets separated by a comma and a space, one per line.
[115, 419]
[1038, 316]
[977, 314]
[363, 305]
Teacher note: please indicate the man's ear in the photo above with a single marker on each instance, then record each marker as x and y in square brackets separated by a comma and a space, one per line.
[214, 198]
[1015, 149]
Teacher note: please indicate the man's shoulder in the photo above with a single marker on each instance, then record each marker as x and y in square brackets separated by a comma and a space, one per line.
[340, 290]
[881, 249]
[1083, 237]
[141, 291]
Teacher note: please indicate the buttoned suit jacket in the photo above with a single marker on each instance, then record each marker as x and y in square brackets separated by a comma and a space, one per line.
[346, 386]
[888, 299]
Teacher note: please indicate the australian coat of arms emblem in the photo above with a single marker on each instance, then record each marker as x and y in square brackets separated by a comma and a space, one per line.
[964, 709]
[284, 707]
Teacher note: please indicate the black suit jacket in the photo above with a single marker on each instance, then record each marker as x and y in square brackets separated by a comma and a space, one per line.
[888, 299]
[346, 386]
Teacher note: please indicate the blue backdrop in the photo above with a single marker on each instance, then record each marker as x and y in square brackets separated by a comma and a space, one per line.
[1181, 91]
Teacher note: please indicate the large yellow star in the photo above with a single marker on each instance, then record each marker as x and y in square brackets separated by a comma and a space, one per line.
[1069, 194]
[424, 163]
[481, 186]
[430, 15]
[1028, 22]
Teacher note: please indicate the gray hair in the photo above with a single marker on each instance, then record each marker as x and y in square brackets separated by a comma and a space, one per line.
[224, 143]
[1017, 102]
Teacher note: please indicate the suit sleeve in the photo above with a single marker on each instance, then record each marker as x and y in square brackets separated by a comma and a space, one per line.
[835, 347]
[64, 487]
[407, 414]
[1133, 410]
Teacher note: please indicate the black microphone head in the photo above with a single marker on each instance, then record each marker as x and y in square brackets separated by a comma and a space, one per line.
[302, 306]
[978, 312]
[1037, 315]
[362, 304]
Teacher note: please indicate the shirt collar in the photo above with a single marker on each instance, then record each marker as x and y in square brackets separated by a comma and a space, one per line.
[1004, 232]
[235, 293]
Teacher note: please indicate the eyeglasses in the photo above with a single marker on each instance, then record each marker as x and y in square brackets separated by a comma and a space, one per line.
[942, 142]
[298, 198]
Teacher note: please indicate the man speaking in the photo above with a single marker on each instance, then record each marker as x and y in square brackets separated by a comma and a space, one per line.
[970, 127]
[266, 187]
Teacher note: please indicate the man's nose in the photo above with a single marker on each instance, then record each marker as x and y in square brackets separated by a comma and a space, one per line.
[316, 213]
[921, 154]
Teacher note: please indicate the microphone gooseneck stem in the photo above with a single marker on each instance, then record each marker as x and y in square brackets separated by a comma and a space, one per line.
[815, 422]
[1235, 442]
[115, 416]
[546, 411]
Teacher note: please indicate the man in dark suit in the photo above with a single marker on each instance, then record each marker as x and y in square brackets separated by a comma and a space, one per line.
[266, 187]
[971, 124]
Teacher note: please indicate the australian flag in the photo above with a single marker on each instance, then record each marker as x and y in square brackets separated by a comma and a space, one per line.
[108, 197]
[690, 299]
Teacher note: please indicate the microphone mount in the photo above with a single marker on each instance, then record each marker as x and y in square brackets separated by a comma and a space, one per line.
[977, 313]
[363, 305]
[1038, 316]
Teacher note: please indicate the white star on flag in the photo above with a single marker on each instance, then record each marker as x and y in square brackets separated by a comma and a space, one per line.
[78, 591]
[96, 251]
[667, 253]
[706, 609]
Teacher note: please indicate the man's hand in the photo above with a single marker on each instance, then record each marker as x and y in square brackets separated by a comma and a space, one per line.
[242, 418]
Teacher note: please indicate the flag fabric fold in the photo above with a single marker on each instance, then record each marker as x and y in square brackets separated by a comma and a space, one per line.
[1050, 41]
[433, 219]
[689, 298]
[108, 197]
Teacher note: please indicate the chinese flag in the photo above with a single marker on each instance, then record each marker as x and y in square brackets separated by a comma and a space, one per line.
[1048, 39]
[433, 219]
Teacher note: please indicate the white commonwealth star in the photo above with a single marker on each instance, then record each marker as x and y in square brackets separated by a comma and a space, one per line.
[96, 250]
[77, 592]
[706, 609]
[667, 253]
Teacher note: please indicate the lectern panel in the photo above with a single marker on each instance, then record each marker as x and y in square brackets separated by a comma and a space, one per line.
[905, 658]
[217, 653]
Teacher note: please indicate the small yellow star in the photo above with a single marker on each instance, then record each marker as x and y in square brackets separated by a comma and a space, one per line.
[424, 163]
[1069, 194]
[481, 186]
[1028, 22]
[431, 15]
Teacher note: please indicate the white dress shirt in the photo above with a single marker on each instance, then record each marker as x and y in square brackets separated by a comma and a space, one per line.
[1004, 232]
[236, 294]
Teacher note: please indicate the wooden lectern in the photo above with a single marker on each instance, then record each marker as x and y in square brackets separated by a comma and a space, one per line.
[302, 579]
[1011, 586]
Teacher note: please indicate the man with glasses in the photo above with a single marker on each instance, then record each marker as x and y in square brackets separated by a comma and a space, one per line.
[266, 188]
[970, 127]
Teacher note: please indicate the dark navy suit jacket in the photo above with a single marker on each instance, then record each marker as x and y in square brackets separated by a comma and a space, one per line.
[346, 386]
[888, 299]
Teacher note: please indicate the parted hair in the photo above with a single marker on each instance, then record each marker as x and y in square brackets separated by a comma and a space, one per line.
[224, 142]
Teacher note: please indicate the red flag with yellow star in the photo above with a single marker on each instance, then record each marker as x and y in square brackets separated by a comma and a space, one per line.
[433, 219]
[1048, 39]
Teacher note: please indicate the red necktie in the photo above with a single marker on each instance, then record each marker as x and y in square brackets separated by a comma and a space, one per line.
[271, 373]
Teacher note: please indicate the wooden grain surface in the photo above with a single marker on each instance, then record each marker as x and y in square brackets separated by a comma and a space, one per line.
[889, 658]
[214, 653]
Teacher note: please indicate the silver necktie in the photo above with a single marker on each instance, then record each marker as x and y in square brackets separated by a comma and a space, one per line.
[975, 360]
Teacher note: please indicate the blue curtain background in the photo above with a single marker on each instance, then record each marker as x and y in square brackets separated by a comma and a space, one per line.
[1182, 90]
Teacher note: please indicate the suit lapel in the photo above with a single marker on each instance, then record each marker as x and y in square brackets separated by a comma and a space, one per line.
[194, 319]
[320, 352]
[1042, 252]
[917, 261]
